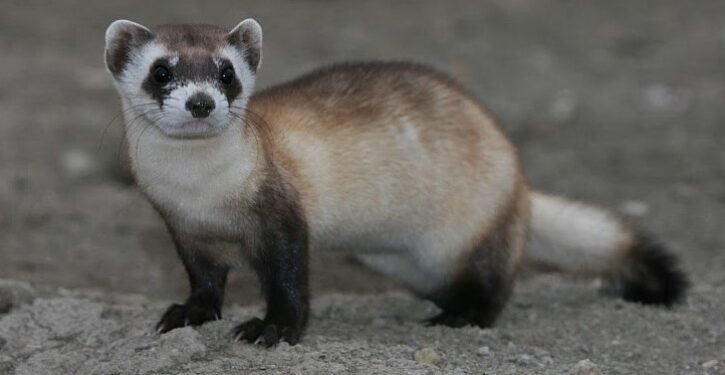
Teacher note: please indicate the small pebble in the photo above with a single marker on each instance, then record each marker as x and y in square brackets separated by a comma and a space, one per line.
[3, 341]
[427, 355]
[709, 364]
[484, 351]
[586, 367]
[144, 346]
[635, 208]
[524, 359]
[78, 163]
[563, 106]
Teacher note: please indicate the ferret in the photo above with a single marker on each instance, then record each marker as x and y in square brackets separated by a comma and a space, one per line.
[392, 159]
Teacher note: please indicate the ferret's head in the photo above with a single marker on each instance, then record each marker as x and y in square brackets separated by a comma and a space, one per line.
[189, 81]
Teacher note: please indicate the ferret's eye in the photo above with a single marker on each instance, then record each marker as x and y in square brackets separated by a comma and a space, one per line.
[227, 76]
[162, 75]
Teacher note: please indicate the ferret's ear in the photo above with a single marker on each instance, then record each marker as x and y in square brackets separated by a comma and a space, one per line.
[122, 37]
[247, 37]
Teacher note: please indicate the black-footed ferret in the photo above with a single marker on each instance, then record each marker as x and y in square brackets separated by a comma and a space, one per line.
[395, 160]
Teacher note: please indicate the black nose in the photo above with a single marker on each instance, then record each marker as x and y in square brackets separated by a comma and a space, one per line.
[200, 105]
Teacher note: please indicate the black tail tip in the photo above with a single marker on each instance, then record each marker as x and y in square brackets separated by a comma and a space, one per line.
[651, 275]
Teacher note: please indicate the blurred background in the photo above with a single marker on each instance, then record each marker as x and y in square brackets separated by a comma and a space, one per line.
[620, 103]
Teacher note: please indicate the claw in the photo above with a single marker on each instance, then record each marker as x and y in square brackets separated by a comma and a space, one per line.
[259, 332]
[239, 336]
[185, 315]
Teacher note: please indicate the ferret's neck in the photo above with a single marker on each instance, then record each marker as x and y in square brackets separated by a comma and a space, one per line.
[193, 174]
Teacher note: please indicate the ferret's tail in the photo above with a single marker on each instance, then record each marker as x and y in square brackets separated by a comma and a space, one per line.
[586, 240]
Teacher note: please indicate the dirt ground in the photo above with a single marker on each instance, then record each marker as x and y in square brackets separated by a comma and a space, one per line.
[619, 103]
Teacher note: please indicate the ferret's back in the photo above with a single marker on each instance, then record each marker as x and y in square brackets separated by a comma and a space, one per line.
[370, 91]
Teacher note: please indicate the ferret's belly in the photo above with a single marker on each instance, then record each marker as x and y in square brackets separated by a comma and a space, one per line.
[360, 238]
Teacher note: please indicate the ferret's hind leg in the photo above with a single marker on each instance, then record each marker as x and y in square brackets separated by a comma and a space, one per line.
[477, 289]
[478, 292]
[471, 283]
[472, 295]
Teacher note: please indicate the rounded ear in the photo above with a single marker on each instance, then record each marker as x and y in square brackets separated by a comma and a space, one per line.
[122, 37]
[247, 37]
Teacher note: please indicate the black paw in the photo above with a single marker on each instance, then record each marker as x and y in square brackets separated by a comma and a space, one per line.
[186, 315]
[268, 334]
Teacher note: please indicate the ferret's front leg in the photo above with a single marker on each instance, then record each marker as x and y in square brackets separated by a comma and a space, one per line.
[282, 271]
[207, 279]
[279, 257]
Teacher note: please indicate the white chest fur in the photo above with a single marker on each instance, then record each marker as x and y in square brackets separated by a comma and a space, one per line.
[198, 182]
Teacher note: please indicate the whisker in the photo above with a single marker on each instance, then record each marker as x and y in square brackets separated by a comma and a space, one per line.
[135, 123]
[259, 132]
[138, 140]
[116, 117]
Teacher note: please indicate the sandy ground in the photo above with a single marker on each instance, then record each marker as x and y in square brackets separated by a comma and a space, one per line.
[619, 103]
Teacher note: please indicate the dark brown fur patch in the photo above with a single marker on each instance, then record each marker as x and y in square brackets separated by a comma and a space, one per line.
[190, 39]
[207, 280]
[118, 53]
[232, 90]
[479, 293]
[157, 91]
[244, 42]
[650, 275]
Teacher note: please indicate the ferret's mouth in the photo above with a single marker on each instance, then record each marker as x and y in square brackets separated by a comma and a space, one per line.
[192, 129]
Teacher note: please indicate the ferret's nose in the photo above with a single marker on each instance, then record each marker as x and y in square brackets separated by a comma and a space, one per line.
[200, 105]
